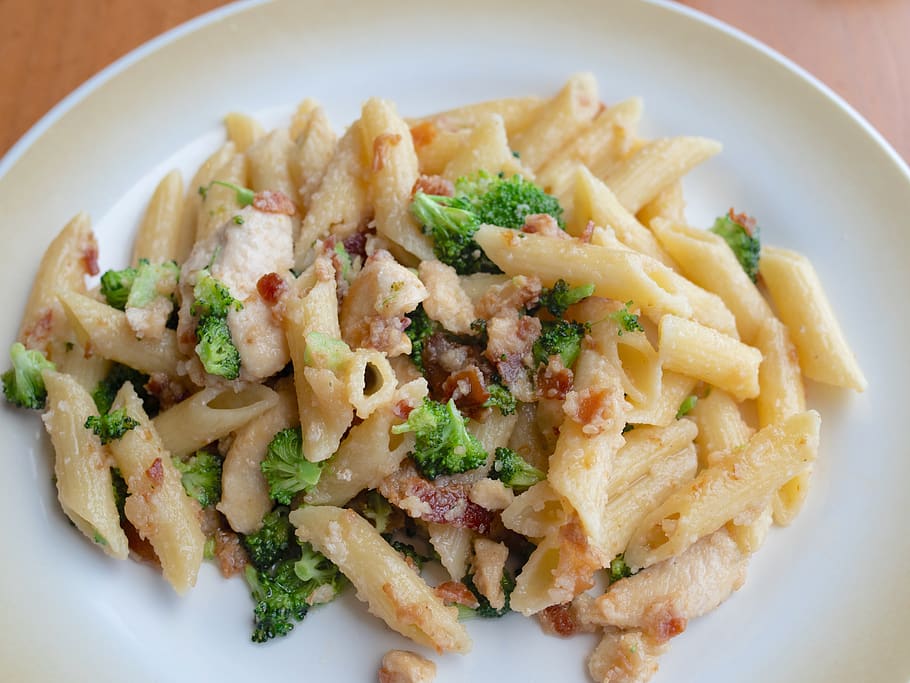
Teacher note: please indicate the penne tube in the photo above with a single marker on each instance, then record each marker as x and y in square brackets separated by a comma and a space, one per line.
[243, 130]
[674, 389]
[645, 447]
[220, 202]
[516, 113]
[209, 415]
[487, 149]
[721, 427]
[108, 333]
[269, 164]
[453, 545]
[393, 591]
[314, 146]
[158, 238]
[193, 201]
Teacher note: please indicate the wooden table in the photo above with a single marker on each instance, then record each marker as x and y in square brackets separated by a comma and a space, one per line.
[858, 47]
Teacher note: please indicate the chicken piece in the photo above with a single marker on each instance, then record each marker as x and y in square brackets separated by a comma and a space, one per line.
[446, 301]
[489, 563]
[373, 312]
[508, 298]
[662, 598]
[404, 666]
[624, 657]
[248, 245]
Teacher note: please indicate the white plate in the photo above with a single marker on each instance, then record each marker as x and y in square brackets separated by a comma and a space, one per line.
[826, 600]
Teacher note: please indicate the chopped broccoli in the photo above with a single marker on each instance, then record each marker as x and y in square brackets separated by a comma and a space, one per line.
[245, 196]
[273, 540]
[619, 569]
[513, 470]
[560, 337]
[116, 286]
[324, 351]
[284, 593]
[501, 398]
[137, 287]
[420, 329]
[558, 298]
[743, 236]
[505, 202]
[216, 349]
[481, 198]
[212, 298]
[627, 321]
[201, 477]
[484, 610]
[111, 426]
[120, 490]
[443, 445]
[285, 468]
[410, 553]
[686, 406]
[107, 389]
[23, 384]
[378, 510]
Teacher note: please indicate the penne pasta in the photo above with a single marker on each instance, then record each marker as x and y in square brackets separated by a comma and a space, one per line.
[159, 238]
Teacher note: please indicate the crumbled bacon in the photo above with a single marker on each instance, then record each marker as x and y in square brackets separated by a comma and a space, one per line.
[272, 201]
[456, 593]
[424, 133]
[467, 388]
[402, 409]
[555, 380]
[558, 620]
[381, 146]
[356, 245]
[90, 259]
[544, 224]
[155, 472]
[507, 299]
[38, 335]
[587, 233]
[435, 185]
[667, 628]
[443, 357]
[168, 391]
[140, 548]
[232, 558]
[271, 288]
[745, 220]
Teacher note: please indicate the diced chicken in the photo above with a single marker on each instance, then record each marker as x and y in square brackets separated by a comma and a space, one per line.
[489, 563]
[247, 246]
[150, 321]
[373, 311]
[446, 301]
[624, 657]
[662, 598]
[404, 666]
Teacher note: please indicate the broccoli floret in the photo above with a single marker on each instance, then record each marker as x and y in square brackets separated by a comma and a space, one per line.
[378, 510]
[325, 351]
[481, 198]
[627, 321]
[742, 234]
[501, 398]
[273, 540]
[111, 426]
[505, 202]
[286, 470]
[558, 298]
[452, 226]
[201, 477]
[619, 569]
[212, 298]
[409, 553]
[216, 349]
[484, 610]
[284, 593]
[560, 337]
[120, 490]
[107, 389]
[513, 470]
[22, 384]
[443, 445]
[420, 329]
[116, 286]
[686, 406]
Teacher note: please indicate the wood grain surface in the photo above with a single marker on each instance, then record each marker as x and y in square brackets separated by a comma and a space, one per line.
[858, 47]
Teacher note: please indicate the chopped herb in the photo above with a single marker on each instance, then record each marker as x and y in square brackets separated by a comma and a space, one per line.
[686, 406]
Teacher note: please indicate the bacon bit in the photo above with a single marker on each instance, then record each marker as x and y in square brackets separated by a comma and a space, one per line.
[424, 133]
[90, 259]
[168, 392]
[271, 288]
[272, 201]
[670, 627]
[456, 593]
[555, 380]
[356, 245]
[140, 548]
[544, 224]
[746, 221]
[231, 557]
[381, 146]
[402, 410]
[558, 620]
[38, 335]
[466, 388]
[587, 233]
[155, 472]
[434, 184]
